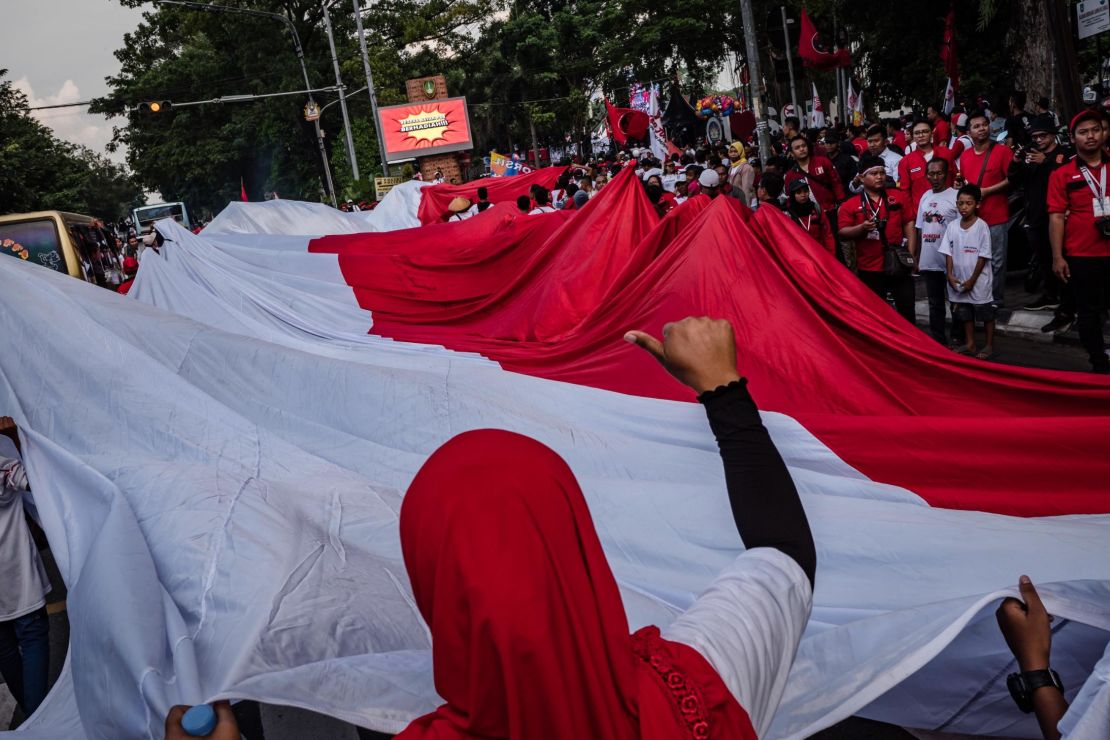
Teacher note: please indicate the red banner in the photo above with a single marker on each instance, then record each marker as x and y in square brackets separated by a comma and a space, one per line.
[422, 129]
[948, 50]
[813, 52]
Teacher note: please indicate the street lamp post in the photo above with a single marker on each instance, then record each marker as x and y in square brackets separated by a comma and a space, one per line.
[759, 106]
[370, 86]
[300, 57]
[342, 92]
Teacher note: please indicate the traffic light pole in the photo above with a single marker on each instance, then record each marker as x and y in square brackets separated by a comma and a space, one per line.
[370, 86]
[342, 92]
[759, 105]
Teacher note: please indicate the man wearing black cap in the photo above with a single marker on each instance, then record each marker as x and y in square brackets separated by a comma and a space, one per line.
[1079, 229]
[876, 220]
[1031, 172]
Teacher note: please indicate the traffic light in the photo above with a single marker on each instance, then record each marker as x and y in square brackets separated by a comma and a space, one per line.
[155, 106]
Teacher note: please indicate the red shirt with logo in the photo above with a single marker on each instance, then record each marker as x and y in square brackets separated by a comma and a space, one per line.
[911, 172]
[1068, 193]
[995, 208]
[825, 187]
[896, 211]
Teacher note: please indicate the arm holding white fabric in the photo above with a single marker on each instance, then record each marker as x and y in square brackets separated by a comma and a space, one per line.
[748, 625]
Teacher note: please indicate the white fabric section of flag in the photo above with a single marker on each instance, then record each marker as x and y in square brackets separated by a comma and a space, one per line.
[1088, 718]
[397, 210]
[657, 137]
[249, 475]
[817, 115]
[949, 98]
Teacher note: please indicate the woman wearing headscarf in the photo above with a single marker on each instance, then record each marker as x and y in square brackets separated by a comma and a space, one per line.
[529, 635]
[741, 174]
[804, 212]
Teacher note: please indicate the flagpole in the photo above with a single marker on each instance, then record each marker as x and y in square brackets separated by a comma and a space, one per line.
[789, 60]
[759, 106]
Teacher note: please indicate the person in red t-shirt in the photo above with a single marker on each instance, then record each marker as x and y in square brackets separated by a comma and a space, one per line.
[896, 134]
[941, 131]
[911, 168]
[987, 164]
[1079, 229]
[868, 218]
[826, 190]
[130, 267]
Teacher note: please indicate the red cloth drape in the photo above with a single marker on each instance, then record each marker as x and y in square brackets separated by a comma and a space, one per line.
[529, 635]
[815, 344]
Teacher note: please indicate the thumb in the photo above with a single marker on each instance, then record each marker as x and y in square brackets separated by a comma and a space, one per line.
[646, 341]
[1030, 596]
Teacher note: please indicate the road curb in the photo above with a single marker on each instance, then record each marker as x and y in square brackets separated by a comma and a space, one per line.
[1016, 323]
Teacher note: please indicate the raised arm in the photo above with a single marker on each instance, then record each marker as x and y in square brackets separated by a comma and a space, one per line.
[701, 353]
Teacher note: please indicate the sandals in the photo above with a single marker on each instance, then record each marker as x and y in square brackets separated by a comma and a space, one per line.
[963, 350]
[984, 354]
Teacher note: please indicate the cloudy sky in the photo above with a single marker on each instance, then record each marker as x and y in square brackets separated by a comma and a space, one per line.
[60, 51]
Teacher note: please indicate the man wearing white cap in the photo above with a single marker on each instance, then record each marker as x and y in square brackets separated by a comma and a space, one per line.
[709, 183]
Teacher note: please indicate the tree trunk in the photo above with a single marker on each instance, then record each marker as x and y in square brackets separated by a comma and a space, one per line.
[1068, 84]
[1033, 48]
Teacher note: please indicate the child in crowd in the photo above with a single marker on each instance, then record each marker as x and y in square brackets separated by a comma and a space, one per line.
[966, 247]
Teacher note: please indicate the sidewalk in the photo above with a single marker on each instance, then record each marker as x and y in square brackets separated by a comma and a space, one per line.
[1012, 321]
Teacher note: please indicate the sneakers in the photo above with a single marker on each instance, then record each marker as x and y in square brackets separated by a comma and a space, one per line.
[1044, 303]
[1059, 324]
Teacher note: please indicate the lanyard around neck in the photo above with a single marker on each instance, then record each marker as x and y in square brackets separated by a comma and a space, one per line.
[1100, 188]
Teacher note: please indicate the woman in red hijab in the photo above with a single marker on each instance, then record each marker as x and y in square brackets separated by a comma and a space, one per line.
[529, 636]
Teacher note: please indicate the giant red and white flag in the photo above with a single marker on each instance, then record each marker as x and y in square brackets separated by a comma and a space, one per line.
[233, 448]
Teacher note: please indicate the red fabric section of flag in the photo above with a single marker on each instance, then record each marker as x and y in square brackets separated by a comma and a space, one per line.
[434, 199]
[815, 343]
[813, 52]
[242, 191]
[948, 49]
[494, 502]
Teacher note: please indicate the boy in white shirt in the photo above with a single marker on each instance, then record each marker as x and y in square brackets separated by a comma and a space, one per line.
[967, 250]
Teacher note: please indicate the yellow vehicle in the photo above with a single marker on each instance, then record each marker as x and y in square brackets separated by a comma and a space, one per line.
[67, 242]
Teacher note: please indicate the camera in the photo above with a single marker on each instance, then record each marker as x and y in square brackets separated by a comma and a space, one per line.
[1103, 226]
[880, 225]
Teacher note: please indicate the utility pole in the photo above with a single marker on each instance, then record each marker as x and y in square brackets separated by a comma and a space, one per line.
[759, 106]
[209, 8]
[342, 92]
[370, 86]
[789, 59]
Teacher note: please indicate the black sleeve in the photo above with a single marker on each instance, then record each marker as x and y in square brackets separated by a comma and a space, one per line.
[764, 500]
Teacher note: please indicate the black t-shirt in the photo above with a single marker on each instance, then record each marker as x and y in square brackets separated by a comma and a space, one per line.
[1017, 128]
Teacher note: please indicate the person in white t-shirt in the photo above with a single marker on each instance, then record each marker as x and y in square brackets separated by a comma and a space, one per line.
[24, 626]
[966, 247]
[936, 211]
[543, 202]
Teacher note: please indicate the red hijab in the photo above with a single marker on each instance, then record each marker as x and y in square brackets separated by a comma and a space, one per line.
[529, 635]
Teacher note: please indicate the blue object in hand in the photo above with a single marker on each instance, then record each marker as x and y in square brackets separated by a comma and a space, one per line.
[199, 720]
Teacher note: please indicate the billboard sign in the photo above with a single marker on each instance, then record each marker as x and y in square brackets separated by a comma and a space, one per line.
[423, 129]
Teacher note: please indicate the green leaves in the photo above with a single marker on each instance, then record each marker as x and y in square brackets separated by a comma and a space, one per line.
[40, 172]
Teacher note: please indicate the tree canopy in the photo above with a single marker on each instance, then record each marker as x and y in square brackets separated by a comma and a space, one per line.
[528, 68]
[40, 172]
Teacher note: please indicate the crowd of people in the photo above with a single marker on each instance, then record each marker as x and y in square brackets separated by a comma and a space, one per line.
[885, 199]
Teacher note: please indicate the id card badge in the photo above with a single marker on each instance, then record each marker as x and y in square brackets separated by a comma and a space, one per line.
[1101, 207]
[873, 235]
